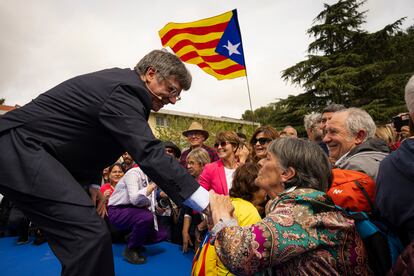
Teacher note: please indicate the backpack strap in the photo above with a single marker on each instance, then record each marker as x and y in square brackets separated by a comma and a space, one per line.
[365, 193]
[363, 225]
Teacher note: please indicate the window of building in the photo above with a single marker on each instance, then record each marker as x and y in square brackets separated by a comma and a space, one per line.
[161, 121]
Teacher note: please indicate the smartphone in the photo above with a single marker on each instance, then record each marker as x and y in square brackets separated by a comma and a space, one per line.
[400, 121]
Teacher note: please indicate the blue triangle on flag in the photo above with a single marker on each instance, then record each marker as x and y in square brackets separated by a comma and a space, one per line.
[230, 44]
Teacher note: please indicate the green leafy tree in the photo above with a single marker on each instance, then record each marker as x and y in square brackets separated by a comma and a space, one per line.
[353, 67]
[350, 66]
[2, 100]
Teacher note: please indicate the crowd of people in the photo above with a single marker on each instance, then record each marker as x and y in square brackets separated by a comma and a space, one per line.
[271, 204]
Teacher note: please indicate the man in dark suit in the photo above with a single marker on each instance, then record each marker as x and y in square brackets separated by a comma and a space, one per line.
[62, 140]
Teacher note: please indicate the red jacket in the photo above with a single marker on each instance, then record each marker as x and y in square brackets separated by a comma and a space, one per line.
[213, 178]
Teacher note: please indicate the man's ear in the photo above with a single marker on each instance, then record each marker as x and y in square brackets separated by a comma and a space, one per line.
[150, 74]
[360, 137]
[288, 174]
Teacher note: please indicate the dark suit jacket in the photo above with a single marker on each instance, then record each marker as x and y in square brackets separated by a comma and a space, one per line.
[86, 123]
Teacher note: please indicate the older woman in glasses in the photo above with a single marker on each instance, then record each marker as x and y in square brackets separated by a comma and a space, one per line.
[218, 176]
[303, 233]
[261, 138]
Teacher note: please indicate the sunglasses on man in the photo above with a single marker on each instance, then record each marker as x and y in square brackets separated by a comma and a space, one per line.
[262, 141]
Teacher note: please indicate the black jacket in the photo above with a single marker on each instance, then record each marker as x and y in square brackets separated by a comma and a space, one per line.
[86, 123]
[395, 186]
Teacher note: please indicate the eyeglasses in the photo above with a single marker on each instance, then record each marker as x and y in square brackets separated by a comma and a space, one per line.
[262, 141]
[194, 133]
[222, 144]
[172, 90]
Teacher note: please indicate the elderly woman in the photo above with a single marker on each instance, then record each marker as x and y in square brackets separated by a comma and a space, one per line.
[247, 199]
[261, 138]
[192, 221]
[303, 233]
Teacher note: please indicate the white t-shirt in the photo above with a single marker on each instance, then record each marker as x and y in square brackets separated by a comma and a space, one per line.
[229, 177]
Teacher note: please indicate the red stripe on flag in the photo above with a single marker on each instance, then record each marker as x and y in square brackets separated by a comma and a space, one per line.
[194, 54]
[199, 46]
[221, 27]
[224, 71]
[202, 271]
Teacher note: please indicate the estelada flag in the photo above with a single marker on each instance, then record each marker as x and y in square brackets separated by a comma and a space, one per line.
[214, 44]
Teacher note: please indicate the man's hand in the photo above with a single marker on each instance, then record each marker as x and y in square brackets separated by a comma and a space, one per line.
[99, 201]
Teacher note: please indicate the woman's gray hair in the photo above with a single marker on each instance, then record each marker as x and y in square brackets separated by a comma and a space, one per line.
[200, 155]
[311, 164]
[167, 65]
[358, 119]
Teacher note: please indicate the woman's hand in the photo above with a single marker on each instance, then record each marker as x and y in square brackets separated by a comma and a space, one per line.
[221, 207]
[202, 226]
[186, 241]
[151, 187]
[242, 154]
[199, 230]
[106, 194]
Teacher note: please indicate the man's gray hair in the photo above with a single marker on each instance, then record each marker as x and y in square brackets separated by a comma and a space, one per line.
[167, 65]
[358, 119]
[312, 119]
[311, 164]
[409, 94]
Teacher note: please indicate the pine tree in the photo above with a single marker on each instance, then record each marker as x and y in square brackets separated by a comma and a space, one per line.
[350, 66]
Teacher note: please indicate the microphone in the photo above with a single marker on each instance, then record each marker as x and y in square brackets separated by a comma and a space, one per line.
[152, 93]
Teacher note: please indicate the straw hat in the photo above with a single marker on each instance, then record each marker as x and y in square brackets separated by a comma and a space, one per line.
[196, 126]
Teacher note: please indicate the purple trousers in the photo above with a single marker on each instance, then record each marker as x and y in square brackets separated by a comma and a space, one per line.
[137, 220]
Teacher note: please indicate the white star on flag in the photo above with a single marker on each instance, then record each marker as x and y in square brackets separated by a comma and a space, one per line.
[232, 48]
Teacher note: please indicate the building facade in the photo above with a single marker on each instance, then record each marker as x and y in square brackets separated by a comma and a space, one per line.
[169, 125]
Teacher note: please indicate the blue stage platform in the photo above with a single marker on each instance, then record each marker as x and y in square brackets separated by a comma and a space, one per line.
[162, 259]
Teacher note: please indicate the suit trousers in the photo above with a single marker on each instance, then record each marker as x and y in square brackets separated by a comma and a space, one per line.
[48, 195]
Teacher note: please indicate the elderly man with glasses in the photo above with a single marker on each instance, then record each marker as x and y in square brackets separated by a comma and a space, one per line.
[196, 135]
[64, 138]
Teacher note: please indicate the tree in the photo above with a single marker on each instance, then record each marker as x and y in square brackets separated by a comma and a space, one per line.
[348, 65]
[2, 100]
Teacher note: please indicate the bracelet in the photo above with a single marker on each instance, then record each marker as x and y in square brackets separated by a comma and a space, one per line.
[227, 222]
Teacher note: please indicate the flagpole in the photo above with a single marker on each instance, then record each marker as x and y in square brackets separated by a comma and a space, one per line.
[250, 99]
[245, 68]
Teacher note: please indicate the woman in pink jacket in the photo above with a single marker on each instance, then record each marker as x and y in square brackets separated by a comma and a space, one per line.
[218, 176]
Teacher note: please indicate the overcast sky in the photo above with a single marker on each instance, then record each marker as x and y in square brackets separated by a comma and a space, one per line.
[45, 42]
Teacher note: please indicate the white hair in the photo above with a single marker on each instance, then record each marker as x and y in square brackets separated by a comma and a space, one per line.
[358, 119]
[409, 94]
[310, 120]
